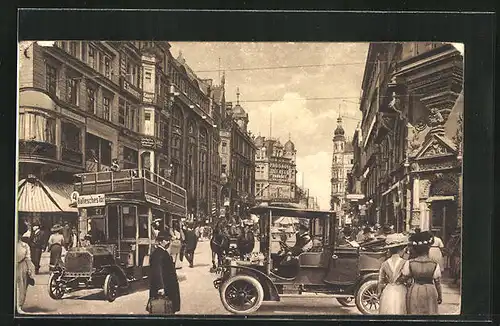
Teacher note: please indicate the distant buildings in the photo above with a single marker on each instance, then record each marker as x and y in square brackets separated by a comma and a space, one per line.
[275, 170]
[237, 152]
[408, 148]
[342, 161]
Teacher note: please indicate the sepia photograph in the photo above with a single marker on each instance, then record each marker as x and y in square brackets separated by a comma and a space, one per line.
[239, 178]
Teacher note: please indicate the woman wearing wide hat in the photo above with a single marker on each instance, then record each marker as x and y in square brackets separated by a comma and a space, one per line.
[424, 294]
[55, 245]
[391, 286]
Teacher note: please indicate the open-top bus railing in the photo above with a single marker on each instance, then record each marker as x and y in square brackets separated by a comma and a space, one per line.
[140, 181]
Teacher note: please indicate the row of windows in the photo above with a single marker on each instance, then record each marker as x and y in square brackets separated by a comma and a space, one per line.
[183, 85]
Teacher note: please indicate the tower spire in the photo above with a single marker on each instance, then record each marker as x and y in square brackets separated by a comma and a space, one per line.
[237, 95]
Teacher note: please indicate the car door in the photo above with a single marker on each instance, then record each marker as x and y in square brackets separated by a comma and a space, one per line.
[343, 266]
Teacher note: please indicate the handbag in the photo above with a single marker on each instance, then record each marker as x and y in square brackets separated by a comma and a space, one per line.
[161, 305]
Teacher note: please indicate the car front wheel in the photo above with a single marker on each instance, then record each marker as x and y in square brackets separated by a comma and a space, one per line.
[110, 288]
[242, 294]
[56, 287]
[367, 299]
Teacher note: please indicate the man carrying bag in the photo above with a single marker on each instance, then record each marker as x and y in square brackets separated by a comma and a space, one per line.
[164, 295]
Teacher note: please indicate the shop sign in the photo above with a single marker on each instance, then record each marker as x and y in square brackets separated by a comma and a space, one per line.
[91, 200]
[152, 199]
[131, 89]
[72, 115]
[148, 97]
[148, 142]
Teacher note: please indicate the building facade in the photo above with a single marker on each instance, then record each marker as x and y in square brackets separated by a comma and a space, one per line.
[237, 152]
[410, 138]
[342, 161]
[83, 105]
[275, 170]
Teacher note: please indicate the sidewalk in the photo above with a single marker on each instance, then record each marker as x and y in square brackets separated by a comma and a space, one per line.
[451, 297]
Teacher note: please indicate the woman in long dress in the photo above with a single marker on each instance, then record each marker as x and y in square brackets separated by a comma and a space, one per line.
[25, 268]
[55, 246]
[424, 295]
[436, 252]
[391, 287]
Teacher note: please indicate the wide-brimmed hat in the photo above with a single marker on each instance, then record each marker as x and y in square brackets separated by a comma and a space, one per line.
[56, 228]
[396, 240]
[163, 235]
[37, 223]
[424, 238]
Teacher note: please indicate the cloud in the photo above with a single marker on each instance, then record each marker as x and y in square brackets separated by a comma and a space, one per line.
[316, 168]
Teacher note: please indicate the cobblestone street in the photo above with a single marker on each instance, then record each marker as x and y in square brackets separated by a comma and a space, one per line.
[198, 297]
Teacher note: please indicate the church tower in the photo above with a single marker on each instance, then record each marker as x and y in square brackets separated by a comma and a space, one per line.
[337, 172]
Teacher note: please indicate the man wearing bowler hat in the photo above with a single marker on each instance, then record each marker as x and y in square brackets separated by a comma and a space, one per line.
[37, 244]
[163, 277]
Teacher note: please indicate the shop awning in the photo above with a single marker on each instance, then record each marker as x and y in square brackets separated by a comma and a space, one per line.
[34, 196]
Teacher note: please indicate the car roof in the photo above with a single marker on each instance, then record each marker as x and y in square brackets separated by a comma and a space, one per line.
[292, 212]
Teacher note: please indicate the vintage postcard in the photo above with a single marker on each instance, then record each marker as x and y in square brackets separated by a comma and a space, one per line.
[226, 178]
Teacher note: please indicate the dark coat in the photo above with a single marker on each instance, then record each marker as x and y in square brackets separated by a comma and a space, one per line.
[38, 240]
[191, 240]
[163, 276]
[246, 242]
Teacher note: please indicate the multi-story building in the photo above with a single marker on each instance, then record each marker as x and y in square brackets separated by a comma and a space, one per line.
[83, 105]
[275, 170]
[410, 138]
[342, 161]
[237, 152]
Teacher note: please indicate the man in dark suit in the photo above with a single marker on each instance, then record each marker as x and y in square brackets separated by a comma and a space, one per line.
[37, 244]
[191, 241]
[163, 277]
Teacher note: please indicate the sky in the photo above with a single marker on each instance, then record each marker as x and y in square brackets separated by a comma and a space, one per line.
[295, 95]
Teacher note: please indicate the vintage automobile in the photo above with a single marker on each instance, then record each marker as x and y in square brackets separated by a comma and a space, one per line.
[120, 207]
[344, 272]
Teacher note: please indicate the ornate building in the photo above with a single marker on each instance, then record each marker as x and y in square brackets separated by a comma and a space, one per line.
[410, 140]
[84, 104]
[342, 160]
[275, 170]
[237, 152]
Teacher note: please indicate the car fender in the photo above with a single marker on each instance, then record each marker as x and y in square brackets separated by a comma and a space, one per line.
[366, 277]
[270, 290]
[120, 274]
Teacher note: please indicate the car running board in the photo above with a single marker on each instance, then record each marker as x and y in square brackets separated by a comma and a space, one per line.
[282, 278]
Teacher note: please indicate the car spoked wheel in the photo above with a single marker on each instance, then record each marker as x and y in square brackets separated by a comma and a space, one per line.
[347, 302]
[56, 286]
[242, 294]
[367, 299]
[110, 288]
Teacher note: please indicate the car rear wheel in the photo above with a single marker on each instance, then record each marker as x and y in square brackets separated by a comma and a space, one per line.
[56, 287]
[242, 294]
[110, 287]
[367, 299]
[347, 302]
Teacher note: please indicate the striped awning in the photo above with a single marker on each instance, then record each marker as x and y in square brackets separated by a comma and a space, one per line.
[36, 197]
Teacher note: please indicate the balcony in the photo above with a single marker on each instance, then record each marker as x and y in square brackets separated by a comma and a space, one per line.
[71, 156]
[143, 183]
[37, 149]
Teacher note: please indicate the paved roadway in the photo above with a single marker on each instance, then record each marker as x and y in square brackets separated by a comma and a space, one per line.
[198, 297]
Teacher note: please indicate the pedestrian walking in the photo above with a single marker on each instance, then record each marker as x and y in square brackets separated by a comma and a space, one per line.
[424, 294]
[191, 243]
[25, 270]
[55, 246]
[245, 242]
[176, 243]
[391, 286]
[436, 251]
[163, 280]
[74, 238]
[37, 244]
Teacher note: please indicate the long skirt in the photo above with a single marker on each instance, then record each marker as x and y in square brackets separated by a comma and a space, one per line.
[422, 299]
[393, 300]
[55, 256]
[22, 283]
[436, 256]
